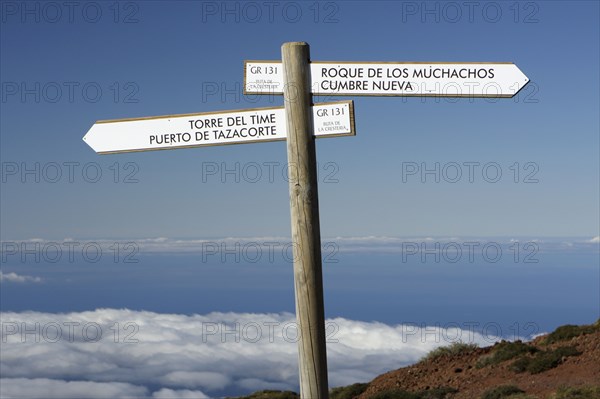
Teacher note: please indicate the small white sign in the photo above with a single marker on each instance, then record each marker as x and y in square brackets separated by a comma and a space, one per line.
[214, 128]
[477, 79]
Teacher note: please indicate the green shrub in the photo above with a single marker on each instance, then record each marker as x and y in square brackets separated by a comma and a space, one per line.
[550, 359]
[578, 393]
[501, 392]
[544, 360]
[520, 365]
[566, 332]
[347, 392]
[450, 350]
[505, 350]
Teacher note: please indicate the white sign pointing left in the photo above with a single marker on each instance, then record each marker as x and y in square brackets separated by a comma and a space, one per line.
[214, 128]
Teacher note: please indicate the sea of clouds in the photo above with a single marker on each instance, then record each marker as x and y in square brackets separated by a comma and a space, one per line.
[120, 353]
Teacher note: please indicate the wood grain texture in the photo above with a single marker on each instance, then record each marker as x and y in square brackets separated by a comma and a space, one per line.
[306, 235]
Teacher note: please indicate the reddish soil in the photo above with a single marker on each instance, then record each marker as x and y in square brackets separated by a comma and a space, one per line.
[460, 372]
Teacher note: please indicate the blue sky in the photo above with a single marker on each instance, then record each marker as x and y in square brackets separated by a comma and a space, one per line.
[174, 53]
[163, 221]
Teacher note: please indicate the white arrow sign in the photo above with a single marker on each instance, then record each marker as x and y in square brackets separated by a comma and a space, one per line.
[214, 128]
[474, 79]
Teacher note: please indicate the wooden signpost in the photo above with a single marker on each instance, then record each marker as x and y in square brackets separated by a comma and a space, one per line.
[306, 233]
[299, 123]
[298, 78]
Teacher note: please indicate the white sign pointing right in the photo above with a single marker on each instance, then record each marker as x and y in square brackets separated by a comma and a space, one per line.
[474, 79]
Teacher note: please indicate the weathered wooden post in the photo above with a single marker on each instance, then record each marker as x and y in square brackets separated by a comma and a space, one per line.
[306, 235]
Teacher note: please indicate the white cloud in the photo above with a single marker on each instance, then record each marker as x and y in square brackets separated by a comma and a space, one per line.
[166, 393]
[17, 278]
[148, 354]
[366, 244]
[255, 384]
[195, 379]
[28, 388]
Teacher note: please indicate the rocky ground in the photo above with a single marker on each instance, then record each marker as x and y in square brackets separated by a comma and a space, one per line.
[563, 365]
[464, 372]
